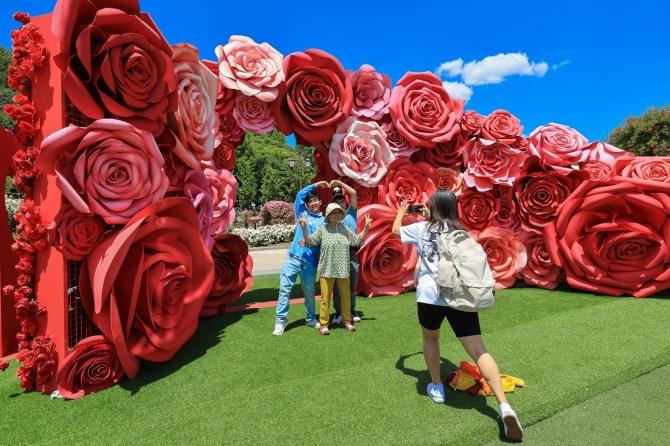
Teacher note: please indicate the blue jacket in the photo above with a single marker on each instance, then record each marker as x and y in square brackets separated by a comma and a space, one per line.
[309, 255]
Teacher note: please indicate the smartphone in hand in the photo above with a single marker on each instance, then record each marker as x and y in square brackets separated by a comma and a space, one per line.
[414, 208]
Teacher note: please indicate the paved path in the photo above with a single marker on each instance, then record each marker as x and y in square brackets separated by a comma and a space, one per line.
[268, 261]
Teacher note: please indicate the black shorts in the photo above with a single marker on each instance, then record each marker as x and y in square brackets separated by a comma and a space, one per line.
[462, 323]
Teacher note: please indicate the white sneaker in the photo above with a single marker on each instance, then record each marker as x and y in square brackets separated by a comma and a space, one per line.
[279, 328]
[513, 429]
[337, 320]
[436, 393]
[355, 317]
[313, 323]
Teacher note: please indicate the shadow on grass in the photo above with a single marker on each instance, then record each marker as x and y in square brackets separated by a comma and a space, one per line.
[455, 399]
[209, 333]
[268, 291]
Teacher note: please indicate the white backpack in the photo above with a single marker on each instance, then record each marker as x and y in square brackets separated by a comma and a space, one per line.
[463, 273]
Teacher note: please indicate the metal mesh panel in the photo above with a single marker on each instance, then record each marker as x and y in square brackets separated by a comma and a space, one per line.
[79, 325]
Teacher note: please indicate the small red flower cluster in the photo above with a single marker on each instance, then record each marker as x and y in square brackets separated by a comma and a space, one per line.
[35, 352]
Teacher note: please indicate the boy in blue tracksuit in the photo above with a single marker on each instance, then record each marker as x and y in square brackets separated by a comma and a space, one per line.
[301, 260]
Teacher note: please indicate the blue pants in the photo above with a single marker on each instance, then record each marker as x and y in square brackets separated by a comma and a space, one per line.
[353, 280]
[290, 270]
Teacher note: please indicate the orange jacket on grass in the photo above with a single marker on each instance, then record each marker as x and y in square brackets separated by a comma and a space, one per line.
[468, 379]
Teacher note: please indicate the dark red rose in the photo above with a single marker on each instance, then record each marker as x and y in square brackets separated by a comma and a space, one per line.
[476, 209]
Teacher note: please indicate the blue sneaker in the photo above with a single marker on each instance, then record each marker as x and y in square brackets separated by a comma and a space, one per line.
[436, 393]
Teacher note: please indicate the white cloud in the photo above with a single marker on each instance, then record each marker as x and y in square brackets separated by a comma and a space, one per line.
[451, 68]
[494, 69]
[458, 90]
[560, 64]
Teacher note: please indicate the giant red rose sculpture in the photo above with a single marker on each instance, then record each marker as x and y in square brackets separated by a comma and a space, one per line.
[74, 233]
[387, 266]
[407, 181]
[491, 162]
[109, 168]
[144, 286]
[507, 254]
[558, 146]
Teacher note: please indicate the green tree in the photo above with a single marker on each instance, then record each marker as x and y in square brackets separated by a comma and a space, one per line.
[6, 93]
[247, 183]
[271, 186]
[647, 135]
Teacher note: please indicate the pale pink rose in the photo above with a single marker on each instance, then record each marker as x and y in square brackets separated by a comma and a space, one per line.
[501, 126]
[450, 179]
[604, 153]
[540, 270]
[422, 110]
[406, 181]
[255, 69]
[224, 195]
[109, 168]
[472, 123]
[490, 162]
[360, 151]
[558, 146]
[253, 115]
[400, 147]
[598, 171]
[507, 254]
[196, 122]
[643, 168]
[372, 93]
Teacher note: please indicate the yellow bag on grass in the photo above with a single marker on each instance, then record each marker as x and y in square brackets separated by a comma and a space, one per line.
[468, 379]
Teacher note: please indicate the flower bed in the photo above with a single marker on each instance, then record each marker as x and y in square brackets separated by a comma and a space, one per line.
[266, 235]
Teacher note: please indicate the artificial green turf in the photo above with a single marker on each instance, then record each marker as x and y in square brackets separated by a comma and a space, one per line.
[234, 383]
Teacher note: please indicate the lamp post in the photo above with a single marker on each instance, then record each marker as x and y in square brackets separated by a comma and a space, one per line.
[292, 164]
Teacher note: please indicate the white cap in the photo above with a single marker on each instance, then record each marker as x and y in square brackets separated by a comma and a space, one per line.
[333, 207]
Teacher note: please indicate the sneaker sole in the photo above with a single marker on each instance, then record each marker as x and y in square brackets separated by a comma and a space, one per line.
[513, 429]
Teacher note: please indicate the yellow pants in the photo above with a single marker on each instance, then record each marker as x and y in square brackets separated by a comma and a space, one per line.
[327, 287]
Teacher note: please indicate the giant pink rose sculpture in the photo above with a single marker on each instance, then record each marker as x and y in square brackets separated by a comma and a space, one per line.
[196, 123]
[539, 191]
[109, 168]
[407, 181]
[315, 98]
[558, 146]
[472, 123]
[643, 168]
[506, 254]
[232, 274]
[255, 69]
[223, 187]
[372, 93]
[540, 271]
[476, 209]
[614, 238]
[604, 153]
[359, 150]
[91, 366]
[490, 162]
[422, 110]
[387, 266]
[115, 61]
[450, 179]
[501, 126]
[400, 147]
[253, 115]
[144, 287]
[197, 189]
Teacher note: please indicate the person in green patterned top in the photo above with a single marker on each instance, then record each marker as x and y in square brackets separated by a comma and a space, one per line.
[335, 240]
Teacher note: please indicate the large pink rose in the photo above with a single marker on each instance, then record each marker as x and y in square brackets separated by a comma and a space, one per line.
[196, 123]
[406, 181]
[450, 179]
[604, 153]
[539, 191]
[472, 123]
[422, 110]
[232, 274]
[501, 126]
[476, 209]
[643, 168]
[255, 69]
[614, 238]
[315, 98]
[558, 146]
[223, 186]
[116, 63]
[109, 168]
[490, 162]
[91, 366]
[74, 233]
[540, 270]
[144, 286]
[372, 93]
[506, 254]
[359, 150]
[387, 266]
[253, 115]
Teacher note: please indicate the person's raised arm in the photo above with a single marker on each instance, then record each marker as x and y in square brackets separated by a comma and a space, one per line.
[397, 223]
[353, 199]
[299, 205]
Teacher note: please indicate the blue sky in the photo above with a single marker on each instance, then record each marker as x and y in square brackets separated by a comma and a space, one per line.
[585, 64]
